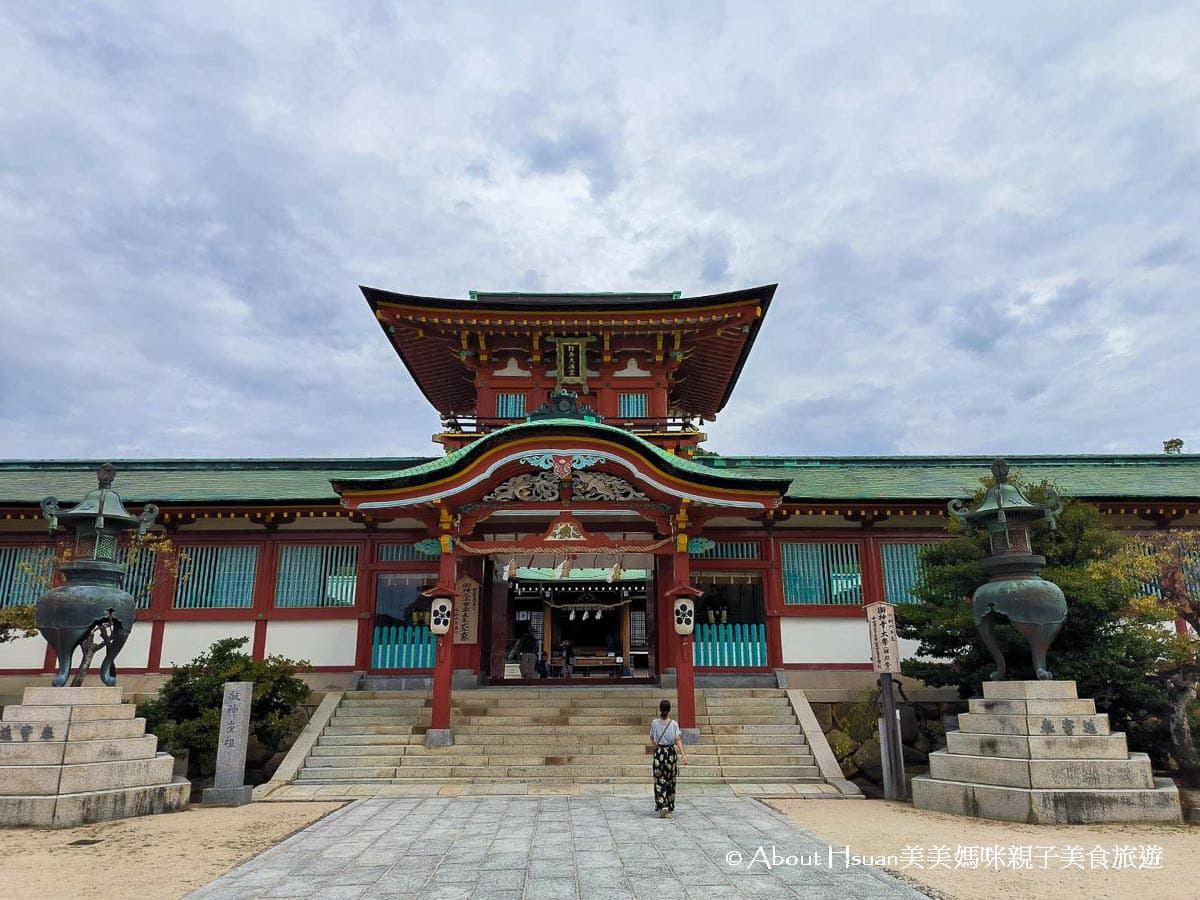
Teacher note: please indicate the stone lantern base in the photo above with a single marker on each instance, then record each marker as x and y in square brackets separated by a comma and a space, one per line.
[1031, 751]
[70, 756]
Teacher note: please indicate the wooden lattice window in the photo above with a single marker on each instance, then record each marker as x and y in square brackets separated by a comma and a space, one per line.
[821, 574]
[632, 406]
[24, 574]
[510, 406]
[216, 577]
[901, 571]
[317, 575]
[732, 550]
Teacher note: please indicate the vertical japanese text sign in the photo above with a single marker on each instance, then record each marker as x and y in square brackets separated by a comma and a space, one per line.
[235, 733]
[885, 645]
[466, 611]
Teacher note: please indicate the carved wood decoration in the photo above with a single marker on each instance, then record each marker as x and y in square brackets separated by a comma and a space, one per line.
[544, 486]
[600, 486]
[525, 487]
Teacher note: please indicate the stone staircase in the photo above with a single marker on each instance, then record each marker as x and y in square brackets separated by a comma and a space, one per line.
[556, 735]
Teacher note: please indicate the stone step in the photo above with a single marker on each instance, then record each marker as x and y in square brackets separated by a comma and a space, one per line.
[359, 727]
[106, 728]
[754, 740]
[1106, 746]
[69, 810]
[73, 696]
[98, 712]
[1032, 707]
[541, 772]
[48, 753]
[1093, 774]
[542, 759]
[414, 702]
[564, 781]
[1029, 690]
[47, 780]
[382, 711]
[361, 721]
[634, 751]
[718, 729]
[366, 740]
[975, 723]
[630, 738]
[1049, 807]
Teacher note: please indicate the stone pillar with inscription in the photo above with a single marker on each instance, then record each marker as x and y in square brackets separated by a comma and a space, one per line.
[229, 786]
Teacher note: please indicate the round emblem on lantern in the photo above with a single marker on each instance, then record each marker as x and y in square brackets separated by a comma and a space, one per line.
[440, 615]
[685, 616]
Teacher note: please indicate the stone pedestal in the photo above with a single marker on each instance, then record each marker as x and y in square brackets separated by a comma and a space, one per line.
[70, 756]
[1031, 751]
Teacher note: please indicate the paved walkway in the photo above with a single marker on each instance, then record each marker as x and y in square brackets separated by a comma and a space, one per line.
[551, 848]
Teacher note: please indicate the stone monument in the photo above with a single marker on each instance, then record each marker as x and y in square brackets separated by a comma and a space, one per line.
[229, 785]
[1032, 751]
[70, 755]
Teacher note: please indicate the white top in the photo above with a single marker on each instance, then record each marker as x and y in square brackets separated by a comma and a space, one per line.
[663, 732]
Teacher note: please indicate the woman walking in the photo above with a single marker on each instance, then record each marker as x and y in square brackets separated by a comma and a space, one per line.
[664, 734]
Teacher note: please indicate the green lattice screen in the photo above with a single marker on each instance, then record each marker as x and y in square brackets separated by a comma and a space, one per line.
[24, 574]
[216, 577]
[901, 571]
[821, 574]
[317, 575]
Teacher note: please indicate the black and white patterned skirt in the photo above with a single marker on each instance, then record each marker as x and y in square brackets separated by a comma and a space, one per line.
[666, 770]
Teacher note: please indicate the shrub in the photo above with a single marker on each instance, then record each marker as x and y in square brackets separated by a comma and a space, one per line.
[186, 715]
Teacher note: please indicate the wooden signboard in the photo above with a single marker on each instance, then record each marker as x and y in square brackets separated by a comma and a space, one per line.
[885, 645]
[466, 611]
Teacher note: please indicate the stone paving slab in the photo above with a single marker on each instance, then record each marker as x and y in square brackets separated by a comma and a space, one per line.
[532, 847]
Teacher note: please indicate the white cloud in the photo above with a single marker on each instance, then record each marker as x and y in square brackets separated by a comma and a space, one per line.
[973, 218]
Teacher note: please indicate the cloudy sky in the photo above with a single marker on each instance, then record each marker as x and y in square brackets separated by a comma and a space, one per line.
[985, 225]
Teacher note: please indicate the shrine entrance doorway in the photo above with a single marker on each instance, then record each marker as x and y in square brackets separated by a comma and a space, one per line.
[589, 623]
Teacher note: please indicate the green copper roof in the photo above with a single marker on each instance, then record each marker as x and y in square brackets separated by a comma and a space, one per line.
[189, 480]
[1158, 477]
[945, 477]
[569, 427]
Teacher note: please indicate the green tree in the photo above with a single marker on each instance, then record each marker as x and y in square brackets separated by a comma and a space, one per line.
[1164, 567]
[1110, 645]
[186, 715]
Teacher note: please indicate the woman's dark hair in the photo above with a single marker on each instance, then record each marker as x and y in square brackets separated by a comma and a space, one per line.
[664, 707]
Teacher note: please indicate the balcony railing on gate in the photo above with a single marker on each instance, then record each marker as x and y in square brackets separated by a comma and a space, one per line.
[730, 646]
[654, 424]
[403, 647]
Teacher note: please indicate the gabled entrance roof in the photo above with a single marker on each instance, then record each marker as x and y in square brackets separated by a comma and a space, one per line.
[529, 442]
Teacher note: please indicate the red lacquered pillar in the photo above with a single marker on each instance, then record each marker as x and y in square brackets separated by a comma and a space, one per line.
[443, 664]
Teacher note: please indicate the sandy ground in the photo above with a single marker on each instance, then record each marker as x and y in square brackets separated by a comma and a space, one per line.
[152, 857]
[878, 828]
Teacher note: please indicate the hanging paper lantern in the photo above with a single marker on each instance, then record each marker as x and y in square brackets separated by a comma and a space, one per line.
[440, 616]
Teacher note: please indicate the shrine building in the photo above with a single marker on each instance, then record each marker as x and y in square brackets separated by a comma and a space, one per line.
[571, 496]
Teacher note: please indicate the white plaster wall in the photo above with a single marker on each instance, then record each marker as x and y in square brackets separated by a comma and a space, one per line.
[30, 653]
[328, 643]
[817, 640]
[24, 653]
[184, 641]
[136, 653]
